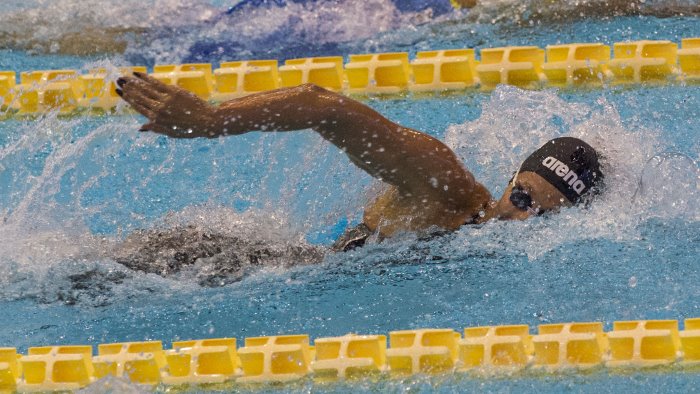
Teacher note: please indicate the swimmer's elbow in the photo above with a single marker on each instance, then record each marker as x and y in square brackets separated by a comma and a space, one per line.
[323, 107]
[312, 88]
[312, 93]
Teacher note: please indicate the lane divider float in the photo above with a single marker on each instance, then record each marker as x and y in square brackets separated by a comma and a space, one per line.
[506, 349]
[565, 65]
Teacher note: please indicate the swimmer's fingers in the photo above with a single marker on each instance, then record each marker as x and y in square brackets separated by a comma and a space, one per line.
[141, 98]
[152, 124]
[152, 116]
[153, 83]
[168, 108]
[137, 102]
[145, 111]
[133, 84]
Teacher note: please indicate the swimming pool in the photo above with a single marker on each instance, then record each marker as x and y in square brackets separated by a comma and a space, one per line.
[73, 188]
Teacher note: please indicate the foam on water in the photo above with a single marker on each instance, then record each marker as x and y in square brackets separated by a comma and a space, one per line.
[42, 24]
[514, 123]
[164, 31]
[80, 187]
[159, 31]
[530, 12]
[111, 384]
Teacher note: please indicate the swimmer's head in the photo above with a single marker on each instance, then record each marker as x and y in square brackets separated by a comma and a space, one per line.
[561, 173]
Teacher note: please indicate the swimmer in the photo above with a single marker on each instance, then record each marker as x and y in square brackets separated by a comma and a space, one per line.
[427, 186]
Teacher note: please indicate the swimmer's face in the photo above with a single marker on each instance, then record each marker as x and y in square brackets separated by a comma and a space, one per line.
[528, 187]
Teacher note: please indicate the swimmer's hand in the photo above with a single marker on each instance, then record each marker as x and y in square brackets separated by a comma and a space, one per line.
[170, 110]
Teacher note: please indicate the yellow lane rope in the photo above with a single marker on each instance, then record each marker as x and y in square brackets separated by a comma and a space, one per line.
[565, 65]
[491, 349]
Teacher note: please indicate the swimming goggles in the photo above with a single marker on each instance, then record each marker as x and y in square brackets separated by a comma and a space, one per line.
[521, 199]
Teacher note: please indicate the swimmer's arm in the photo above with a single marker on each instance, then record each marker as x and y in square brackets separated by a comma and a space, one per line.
[416, 163]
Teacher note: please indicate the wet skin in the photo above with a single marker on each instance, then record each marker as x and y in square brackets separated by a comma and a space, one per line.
[427, 185]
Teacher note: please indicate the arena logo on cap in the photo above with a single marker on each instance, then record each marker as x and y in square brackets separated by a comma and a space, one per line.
[562, 171]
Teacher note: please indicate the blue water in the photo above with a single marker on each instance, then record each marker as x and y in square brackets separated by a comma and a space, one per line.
[73, 188]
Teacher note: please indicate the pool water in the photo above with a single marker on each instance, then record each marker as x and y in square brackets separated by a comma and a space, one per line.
[73, 188]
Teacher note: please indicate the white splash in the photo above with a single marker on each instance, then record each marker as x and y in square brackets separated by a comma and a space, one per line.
[514, 123]
[544, 11]
[164, 30]
[63, 174]
[296, 183]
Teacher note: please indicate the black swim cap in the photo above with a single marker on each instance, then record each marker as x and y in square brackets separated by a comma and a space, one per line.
[567, 163]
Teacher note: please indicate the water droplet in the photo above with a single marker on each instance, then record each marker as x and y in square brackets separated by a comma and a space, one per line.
[632, 282]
